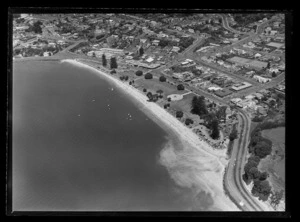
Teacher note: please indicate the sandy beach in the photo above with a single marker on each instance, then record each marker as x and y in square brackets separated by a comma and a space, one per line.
[205, 165]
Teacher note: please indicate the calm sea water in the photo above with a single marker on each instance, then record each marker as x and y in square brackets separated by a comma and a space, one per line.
[78, 145]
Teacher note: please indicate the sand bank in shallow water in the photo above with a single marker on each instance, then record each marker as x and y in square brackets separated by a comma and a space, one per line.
[196, 166]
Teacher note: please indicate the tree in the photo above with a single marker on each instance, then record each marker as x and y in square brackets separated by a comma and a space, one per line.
[208, 118]
[188, 121]
[126, 78]
[113, 71]
[179, 114]
[215, 134]
[255, 159]
[36, 27]
[257, 119]
[263, 176]
[254, 173]
[221, 113]
[198, 106]
[139, 73]
[276, 198]
[180, 87]
[104, 61]
[159, 92]
[141, 51]
[274, 74]
[261, 189]
[163, 43]
[150, 96]
[148, 76]
[262, 149]
[234, 134]
[162, 78]
[169, 99]
[249, 165]
[144, 90]
[246, 178]
[113, 63]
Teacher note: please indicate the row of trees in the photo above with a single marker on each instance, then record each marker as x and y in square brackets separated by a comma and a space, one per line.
[150, 76]
[260, 147]
[113, 62]
[261, 187]
[124, 78]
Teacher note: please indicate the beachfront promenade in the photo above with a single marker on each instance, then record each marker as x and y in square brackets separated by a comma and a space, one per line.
[212, 156]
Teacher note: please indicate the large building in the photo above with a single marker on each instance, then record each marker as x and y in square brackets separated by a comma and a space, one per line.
[275, 44]
[255, 64]
[112, 51]
[223, 92]
[240, 86]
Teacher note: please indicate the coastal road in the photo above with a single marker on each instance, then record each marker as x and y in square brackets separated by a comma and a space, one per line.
[232, 180]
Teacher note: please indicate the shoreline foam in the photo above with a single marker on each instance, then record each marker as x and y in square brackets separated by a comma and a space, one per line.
[209, 176]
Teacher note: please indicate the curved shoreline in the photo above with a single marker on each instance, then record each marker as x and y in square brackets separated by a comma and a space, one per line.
[205, 154]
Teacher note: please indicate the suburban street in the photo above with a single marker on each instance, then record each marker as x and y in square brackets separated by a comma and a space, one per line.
[226, 25]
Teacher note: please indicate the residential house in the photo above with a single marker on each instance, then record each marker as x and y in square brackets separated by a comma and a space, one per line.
[155, 42]
[52, 44]
[258, 96]
[175, 49]
[150, 59]
[261, 79]
[273, 32]
[257, 55]
[261, 110]
[178, 28]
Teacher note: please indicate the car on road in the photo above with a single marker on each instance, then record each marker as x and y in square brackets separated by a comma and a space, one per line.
[241, 203]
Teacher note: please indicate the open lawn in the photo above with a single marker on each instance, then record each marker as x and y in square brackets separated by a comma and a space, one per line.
[184, 105]
[154, 84]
